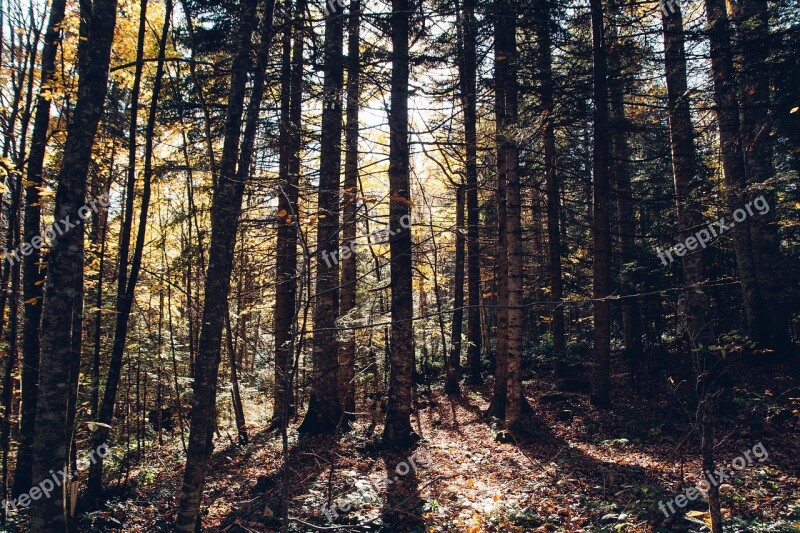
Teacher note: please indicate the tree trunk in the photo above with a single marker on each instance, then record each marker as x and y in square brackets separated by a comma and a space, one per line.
[772, 319]
[469, 97]
[727, 111]
[626, 222]
[453, 363]
[497, 407]
[601, 224]
[289, 181]
[347, 356]
[545, 71]
[324, 406]
[32, 276]
[397, 431]
[225, 212]
[65, 265]
[694, 304]
[507, 53]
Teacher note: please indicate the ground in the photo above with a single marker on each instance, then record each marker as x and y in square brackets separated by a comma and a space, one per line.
[576, 469]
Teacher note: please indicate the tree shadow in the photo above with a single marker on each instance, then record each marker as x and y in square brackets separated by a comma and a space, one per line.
[402, 509]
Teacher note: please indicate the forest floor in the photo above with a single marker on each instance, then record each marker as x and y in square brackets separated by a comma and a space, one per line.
[578, 469]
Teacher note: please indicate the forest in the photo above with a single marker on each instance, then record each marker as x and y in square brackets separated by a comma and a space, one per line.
[400, 266]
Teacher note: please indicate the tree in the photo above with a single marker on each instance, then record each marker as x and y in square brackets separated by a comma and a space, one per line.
[752, 21]
[695, 303]
[324, 406]
[32, 275]
[397, 431]
[601, 222]
[290, 139]
[350, 196]
[64, 284]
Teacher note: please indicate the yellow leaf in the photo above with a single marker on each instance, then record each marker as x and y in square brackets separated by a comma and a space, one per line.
[3, 188]
[282, 213]
[31, 301]
[795, 109]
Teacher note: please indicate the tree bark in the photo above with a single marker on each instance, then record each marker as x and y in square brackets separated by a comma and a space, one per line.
[601, 224]
[32, 275]
[347, 357]
[324, 406]
[397, 431]
[733, 169]
[546, 90]
[63, 287]
[469, 92]
[506, 53]
[453, 362]
[289, 180]
[694, 306]
[626, 222]
[772, 322]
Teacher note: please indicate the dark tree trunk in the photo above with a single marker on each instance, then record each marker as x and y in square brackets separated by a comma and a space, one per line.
[324, 406]
[225, 212]
[771, 325]
[397, 431]
[453, 362]
[469, 92]
[626, 222]
[497, 407]
[347, 358]
[545, 67]
[32, 276]
[12, 241]
[601, 222]
[289, 181]
[506, 54]
[694, 304]
[727, 111]
[64, 287]
[236, 396]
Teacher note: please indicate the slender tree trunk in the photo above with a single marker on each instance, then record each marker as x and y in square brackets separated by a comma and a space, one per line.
[544, 29]
[32, 276]
[347, 356]
[469, 92]
[626, 222]
[727, 111]
[289, 179]
[397, 430]
[771, 317]
[694, 304]
[126, 284]
[236, 397]
[65, 265]
[11, 337]
[497, 407]
[506, 53]
[324, 405]
[453, 362]
[601, 223]
[225, 212]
